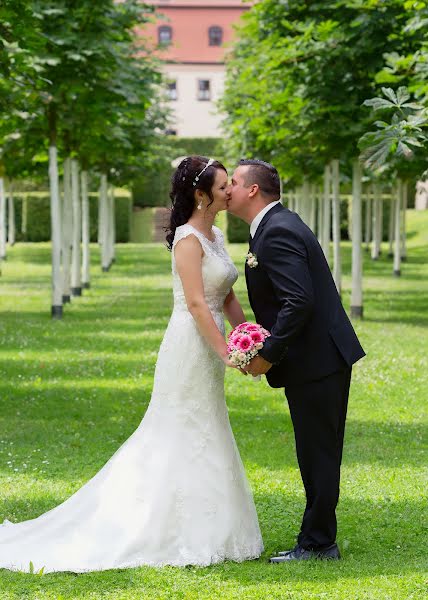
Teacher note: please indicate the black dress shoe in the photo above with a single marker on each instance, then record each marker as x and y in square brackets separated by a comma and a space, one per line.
[299, 553]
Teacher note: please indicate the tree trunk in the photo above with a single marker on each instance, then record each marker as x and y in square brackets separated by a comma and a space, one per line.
[320, 205]
[2, 220]
[391, 226]
[67, 232]
[313, 208]
[24, 218]
[76, 277]
[376, 218]
[56, 308]
[337, 263]
[297, 200]
[86, 257]
[306, 202]
[397, 227]
[405, 189]
[368, 217]
[326, 221]
[380, 222]
[357, 269]
[104, 214]
[11, 230]
[113, 226]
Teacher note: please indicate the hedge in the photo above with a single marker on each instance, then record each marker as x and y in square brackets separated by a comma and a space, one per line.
[238, 231]
[153, 188]
[39, 220]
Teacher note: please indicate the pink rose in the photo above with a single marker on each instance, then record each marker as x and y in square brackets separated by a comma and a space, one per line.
[252, 327]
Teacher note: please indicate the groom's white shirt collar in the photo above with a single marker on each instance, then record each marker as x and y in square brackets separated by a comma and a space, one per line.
[257, 219]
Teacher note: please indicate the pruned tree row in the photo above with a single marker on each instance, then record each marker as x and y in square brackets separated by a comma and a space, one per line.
[335, 93]
[85, 78]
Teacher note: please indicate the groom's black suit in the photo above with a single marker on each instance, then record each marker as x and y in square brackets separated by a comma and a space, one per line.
[312, 347]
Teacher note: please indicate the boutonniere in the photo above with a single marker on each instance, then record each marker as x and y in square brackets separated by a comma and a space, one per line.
[252, 261]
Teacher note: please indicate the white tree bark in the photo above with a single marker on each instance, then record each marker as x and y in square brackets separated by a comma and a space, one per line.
[368, 219]
[104, 214]
[2, 221]
[391, 225]
[113, 225]
[357, 268]
[297, 200]
[56, 234]
[320, 205]
[376, 221]
[337, 262]
[306, 202]
[380, 222]
[24, 218]
[326, 221]
[312, 208]
[76, 276]
[397, 228]
[11, 230]
[67, 232]
[86, 256]
[405, 188]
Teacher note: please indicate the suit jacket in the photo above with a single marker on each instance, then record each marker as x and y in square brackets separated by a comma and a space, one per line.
[293, 295]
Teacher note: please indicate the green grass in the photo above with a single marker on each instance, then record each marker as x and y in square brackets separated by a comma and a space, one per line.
[72, 391]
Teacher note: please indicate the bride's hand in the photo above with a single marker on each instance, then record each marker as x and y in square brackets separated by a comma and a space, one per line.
[228, 362]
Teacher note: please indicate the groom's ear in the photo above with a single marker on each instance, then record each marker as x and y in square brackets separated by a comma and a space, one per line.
[254, 188]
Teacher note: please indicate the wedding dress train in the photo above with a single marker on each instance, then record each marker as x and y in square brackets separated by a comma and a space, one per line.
[175, 493]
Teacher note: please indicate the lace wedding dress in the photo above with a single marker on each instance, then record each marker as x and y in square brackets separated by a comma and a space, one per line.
[175, 493]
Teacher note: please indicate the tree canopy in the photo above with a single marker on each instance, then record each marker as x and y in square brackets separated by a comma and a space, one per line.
[300, 73]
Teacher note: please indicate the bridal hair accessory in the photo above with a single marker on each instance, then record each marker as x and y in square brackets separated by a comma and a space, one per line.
[197, 177]
[244, 343]
[252, 261]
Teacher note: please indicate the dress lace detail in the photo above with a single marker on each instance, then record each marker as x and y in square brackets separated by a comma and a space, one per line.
[175, 493]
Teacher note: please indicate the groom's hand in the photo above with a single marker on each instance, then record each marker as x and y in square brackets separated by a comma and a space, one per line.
[258, 366]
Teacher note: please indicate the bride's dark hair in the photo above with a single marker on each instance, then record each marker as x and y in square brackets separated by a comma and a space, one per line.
[182, 192]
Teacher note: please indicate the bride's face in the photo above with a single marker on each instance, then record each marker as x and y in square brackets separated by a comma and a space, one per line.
[220, 192]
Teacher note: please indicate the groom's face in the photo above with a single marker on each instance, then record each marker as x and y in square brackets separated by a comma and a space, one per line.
[238, 192]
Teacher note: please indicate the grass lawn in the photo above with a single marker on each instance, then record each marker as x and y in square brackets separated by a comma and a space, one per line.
[72, 391]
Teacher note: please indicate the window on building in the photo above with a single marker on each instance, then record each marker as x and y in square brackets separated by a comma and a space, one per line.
[164, 34]
[171, 90]
[204, 89]
[215, 34]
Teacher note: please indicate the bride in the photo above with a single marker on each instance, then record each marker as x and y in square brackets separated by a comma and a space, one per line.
[175, 493]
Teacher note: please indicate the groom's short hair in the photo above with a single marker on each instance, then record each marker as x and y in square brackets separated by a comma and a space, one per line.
[264, 174]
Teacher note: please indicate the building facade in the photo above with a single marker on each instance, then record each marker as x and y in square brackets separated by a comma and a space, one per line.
[194, 37]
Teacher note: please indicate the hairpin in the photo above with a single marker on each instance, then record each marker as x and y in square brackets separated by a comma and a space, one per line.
[209, 163]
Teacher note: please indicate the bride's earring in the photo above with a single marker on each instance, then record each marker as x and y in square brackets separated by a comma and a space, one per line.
[200, 205]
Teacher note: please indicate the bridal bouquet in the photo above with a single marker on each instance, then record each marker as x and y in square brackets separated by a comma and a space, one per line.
[244, 343]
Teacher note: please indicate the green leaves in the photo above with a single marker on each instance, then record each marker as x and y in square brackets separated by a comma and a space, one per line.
[33, 571]
[401, 137]
[78, 63]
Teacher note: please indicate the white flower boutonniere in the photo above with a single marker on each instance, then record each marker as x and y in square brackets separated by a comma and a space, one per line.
[252, 261]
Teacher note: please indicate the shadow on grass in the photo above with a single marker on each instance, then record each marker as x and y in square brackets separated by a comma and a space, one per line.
[382, 539]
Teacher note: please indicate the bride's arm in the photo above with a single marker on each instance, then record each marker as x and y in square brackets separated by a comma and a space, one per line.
[188, 259]
[233, 310]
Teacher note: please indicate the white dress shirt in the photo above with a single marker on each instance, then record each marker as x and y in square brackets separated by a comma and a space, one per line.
[257, 219]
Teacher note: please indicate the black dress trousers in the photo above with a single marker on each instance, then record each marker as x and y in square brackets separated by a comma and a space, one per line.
[318, 412]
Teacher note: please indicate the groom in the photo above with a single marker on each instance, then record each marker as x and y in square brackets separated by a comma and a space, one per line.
[311, 349]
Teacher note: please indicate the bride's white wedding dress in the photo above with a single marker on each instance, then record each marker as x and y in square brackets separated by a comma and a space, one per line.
[175, 493]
